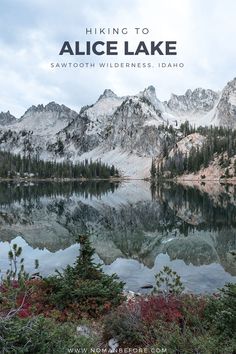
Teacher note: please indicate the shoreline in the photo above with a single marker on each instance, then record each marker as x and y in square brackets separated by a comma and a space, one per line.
[26, 179]
[178, 180]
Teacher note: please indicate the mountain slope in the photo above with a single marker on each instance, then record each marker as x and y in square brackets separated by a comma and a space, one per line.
[122, 131]
[6, 119]
[45, 120]
[126, 131]
[225, 112]
[31, 134]
[197, 106]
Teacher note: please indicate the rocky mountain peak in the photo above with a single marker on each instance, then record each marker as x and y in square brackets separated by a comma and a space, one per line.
[6, 118]
[150, 94]
[232, 83]
[45, 120]
[53, 106]
[50, 107]
[188, 93]
[198, 100]
[226, 108]
[125, 131]
[150, 90]
[108, 94]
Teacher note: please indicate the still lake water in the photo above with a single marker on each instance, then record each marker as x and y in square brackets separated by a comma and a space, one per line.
[135, 228]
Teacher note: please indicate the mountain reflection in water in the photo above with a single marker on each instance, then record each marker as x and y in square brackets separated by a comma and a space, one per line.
[135, 228]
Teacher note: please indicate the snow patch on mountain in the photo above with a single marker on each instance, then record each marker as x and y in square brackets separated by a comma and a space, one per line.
[197, 106]
[45, 120]
[105, 105]
[130, 165]
[99, 113]
[198, 100]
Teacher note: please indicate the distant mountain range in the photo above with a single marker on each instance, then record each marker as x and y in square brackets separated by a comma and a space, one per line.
[125, 131]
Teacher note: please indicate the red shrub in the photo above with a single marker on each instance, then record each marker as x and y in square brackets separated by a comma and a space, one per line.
[153, 308]
[23, 313]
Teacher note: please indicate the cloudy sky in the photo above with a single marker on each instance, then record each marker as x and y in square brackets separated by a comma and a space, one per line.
[32, 33]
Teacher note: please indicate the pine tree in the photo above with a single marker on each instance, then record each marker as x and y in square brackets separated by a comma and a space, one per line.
[153, 170]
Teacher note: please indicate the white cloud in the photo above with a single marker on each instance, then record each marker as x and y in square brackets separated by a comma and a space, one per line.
[33, 32]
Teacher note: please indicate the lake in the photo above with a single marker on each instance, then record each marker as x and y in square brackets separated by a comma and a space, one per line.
[136, 228]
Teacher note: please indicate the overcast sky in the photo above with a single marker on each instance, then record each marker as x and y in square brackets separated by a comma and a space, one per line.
[33, 31]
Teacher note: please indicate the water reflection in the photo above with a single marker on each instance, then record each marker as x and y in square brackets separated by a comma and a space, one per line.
[131, 225]
[11, 192]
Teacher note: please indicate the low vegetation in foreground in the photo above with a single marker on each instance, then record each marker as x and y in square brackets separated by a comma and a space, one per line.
[84, 309]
